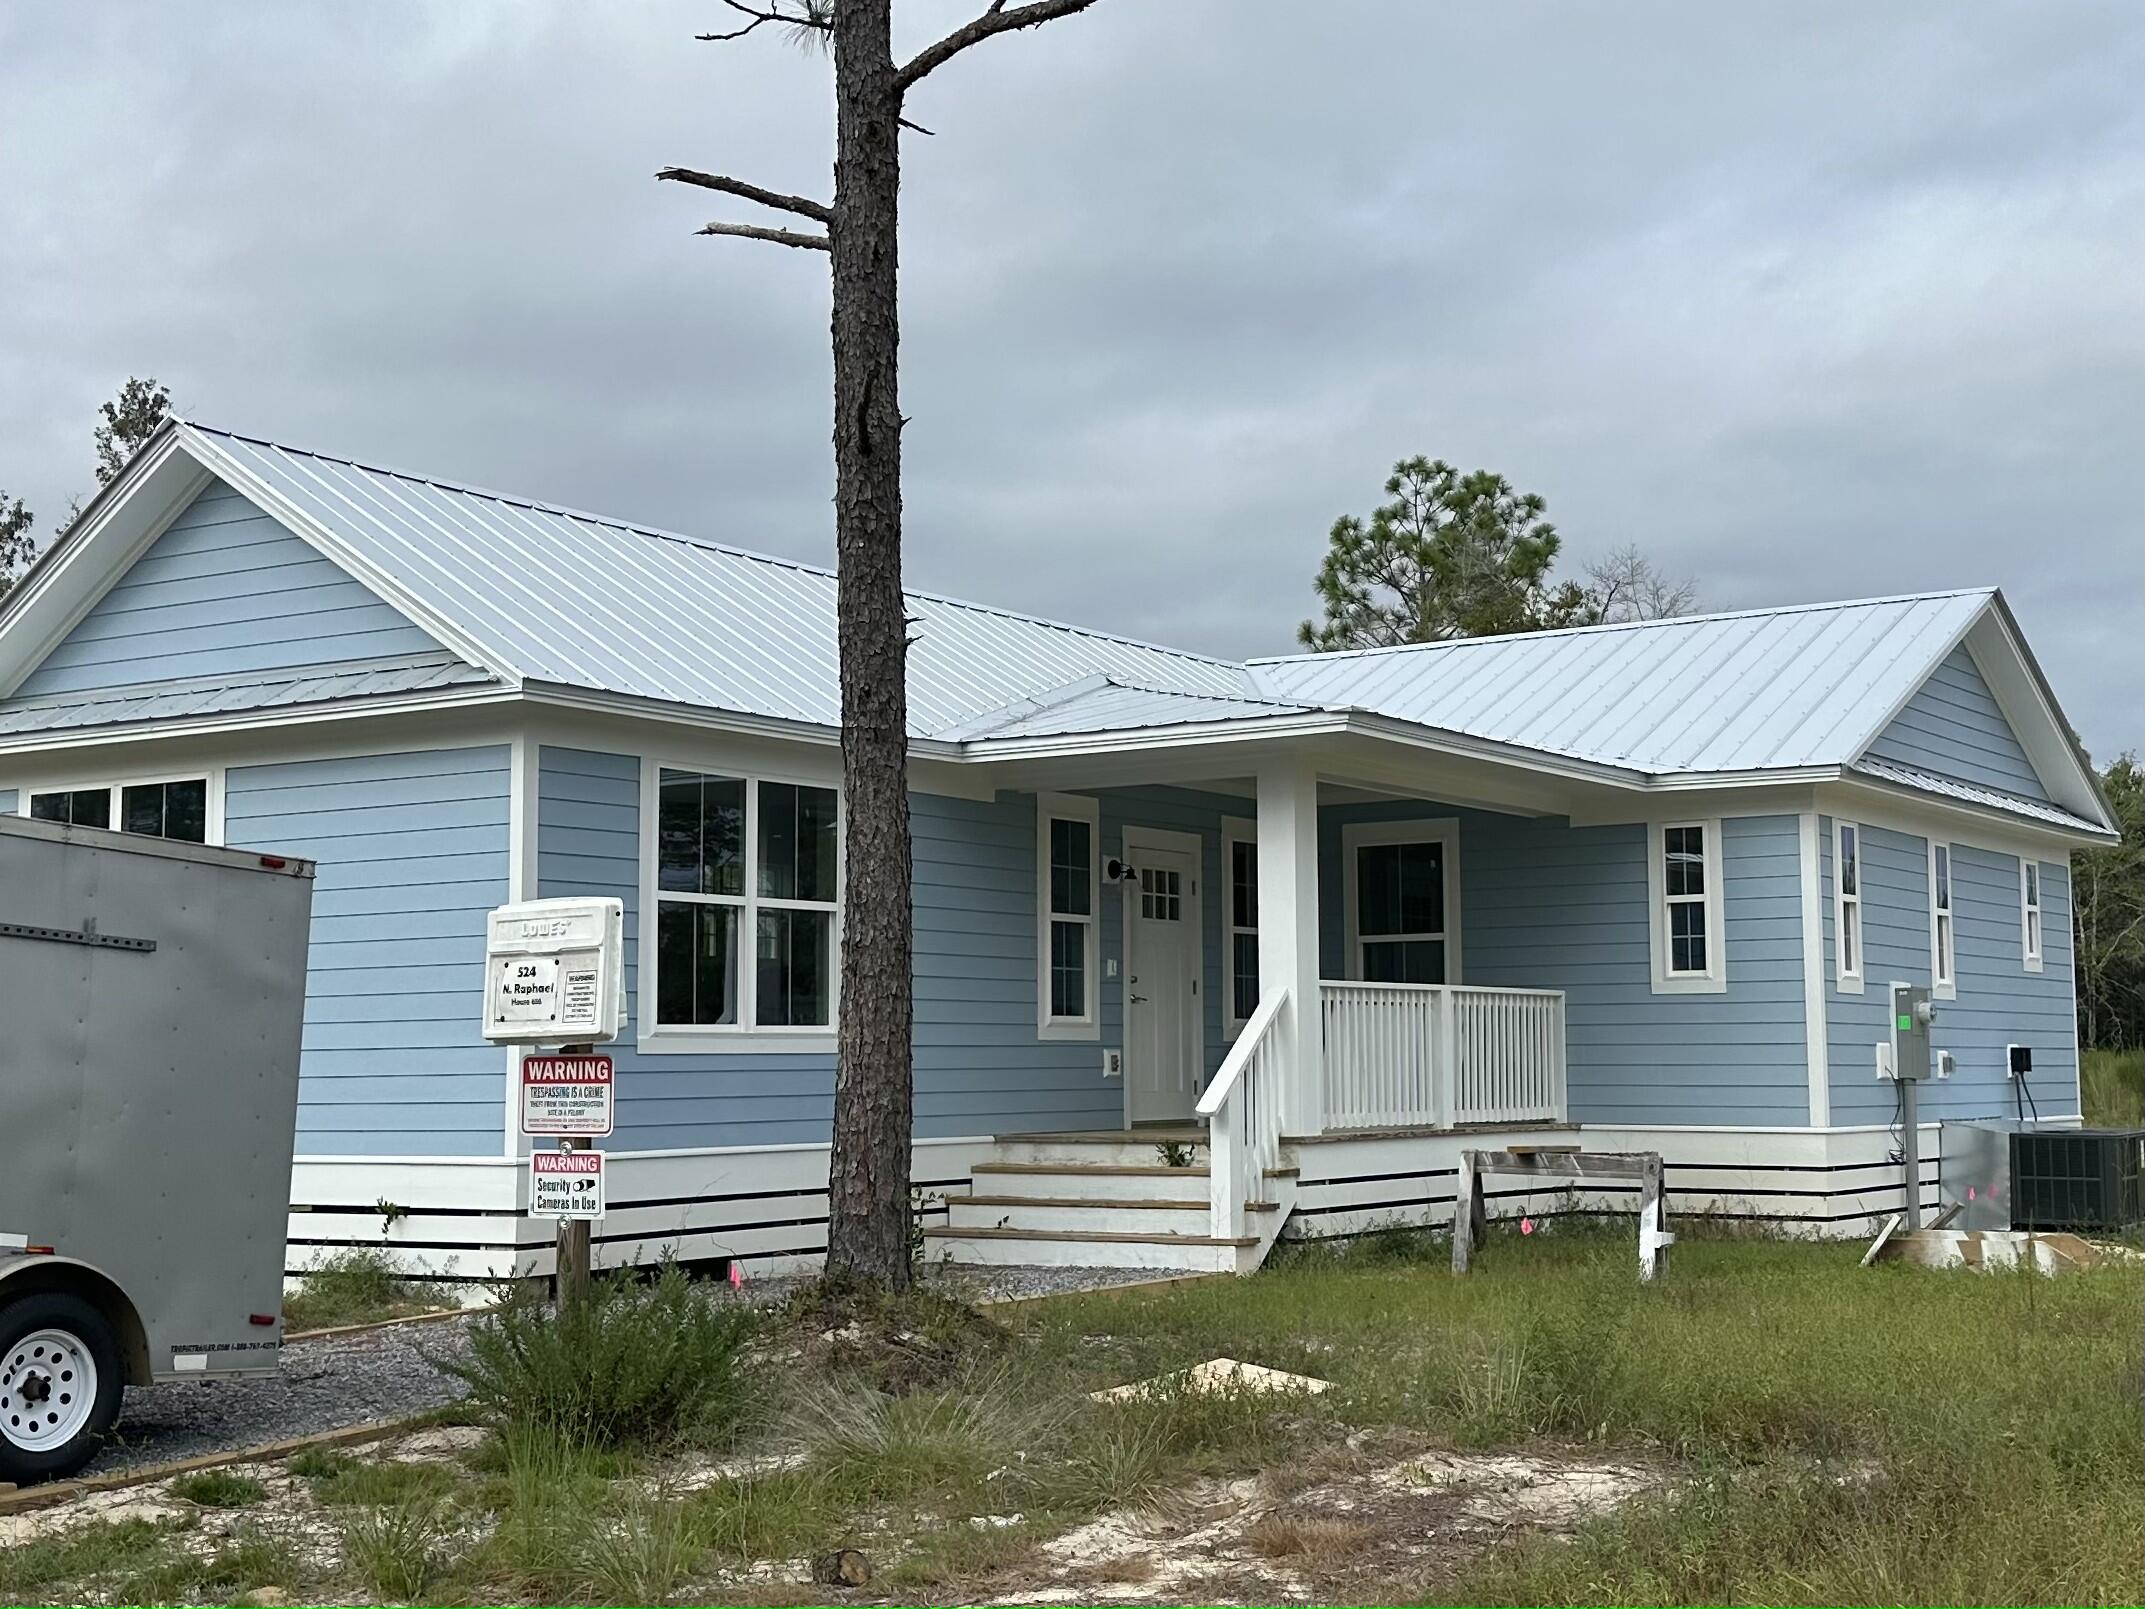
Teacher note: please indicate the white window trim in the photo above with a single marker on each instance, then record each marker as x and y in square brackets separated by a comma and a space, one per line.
[1051, 807]
[1234, 830]
[1714, 980]
[740, 1038]
[212, 809]
[1847, 908]
[1941, 986]
[1357, 835]
[2032, 912]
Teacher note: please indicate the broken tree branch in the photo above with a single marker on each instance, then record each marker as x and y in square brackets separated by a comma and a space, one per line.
[781, 237]
[800, 205]
[999, 19]
[807, 18]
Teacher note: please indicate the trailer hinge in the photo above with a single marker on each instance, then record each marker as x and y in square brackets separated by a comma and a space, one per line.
[85, 934]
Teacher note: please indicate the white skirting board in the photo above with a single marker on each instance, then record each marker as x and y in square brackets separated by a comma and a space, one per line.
[461, 1219]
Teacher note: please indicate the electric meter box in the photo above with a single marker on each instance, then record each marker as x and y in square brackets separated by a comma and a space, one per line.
[555, 972]
[1912, 1013]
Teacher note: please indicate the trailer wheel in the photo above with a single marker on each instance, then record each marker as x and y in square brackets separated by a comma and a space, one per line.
[60, 1381]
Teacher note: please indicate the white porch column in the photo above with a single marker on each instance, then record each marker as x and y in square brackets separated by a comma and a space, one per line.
[1288, 931]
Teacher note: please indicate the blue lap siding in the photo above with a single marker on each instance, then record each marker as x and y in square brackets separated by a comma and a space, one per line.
[1954, 728]
[224, 589]
[1999, 1002]
[412, 851]
[1544, 905]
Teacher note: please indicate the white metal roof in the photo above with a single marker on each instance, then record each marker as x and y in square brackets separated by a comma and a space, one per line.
[554, 595]
[1906, 776]
[1760, 690]
[1108, 704]
[225, 695]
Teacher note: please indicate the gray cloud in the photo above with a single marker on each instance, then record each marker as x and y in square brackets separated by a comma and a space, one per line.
[1809, 300]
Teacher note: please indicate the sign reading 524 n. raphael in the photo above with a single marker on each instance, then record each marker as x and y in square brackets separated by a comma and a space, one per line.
[554, 972]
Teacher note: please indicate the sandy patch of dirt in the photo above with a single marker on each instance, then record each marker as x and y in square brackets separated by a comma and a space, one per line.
[1352, 1536]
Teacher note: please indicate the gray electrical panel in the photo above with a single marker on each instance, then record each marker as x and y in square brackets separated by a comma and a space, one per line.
[1911, 1017]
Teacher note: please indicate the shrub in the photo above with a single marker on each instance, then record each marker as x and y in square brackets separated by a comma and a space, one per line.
[352, 1287]
[640, 1363]
[398, 1551]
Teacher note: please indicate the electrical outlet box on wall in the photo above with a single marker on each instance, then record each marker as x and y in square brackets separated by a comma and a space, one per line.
[1113, 1064]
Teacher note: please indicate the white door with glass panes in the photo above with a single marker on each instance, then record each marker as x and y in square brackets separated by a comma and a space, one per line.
[1163, 1042]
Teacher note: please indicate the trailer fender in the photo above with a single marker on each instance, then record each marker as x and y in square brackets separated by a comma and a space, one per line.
[21, 1275]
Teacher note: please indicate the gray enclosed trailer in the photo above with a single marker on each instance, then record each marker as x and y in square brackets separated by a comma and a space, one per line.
[151, 997]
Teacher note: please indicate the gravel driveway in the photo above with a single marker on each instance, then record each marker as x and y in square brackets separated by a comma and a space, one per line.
[340, 1381]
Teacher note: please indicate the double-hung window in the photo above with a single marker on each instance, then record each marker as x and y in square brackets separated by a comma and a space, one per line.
[746, 896]
[1943, 951]
[1847, 904]
[1240, 915]
[176, 809]
[1068, 900]
[2029, 912]
[1401, 889]
[1683, 876]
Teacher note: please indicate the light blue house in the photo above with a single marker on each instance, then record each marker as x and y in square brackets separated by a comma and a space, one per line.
[1649, 883]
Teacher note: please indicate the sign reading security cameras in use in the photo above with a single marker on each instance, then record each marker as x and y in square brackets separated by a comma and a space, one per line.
[566, 1184]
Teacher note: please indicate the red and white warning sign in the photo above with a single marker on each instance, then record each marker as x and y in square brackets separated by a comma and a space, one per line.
[567, 1095]
[566, 1184]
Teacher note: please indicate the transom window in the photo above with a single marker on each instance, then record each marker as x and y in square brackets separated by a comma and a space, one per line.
[1402, 901]
[1943, 953]
[177, 810]
[746, 897]
[1847, 902]
[2029, 900]
[1241, 919]
[1684, 878]
[1067, 899]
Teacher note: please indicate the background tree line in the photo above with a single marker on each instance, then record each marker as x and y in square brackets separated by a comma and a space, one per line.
[123, 424]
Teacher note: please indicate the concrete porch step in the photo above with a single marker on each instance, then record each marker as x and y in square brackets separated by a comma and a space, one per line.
[1097, 1182]
[1091, 1248]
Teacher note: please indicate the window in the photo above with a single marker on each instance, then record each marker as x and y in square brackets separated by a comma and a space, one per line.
[2029, 907]
[1240, 921]
[1402, 894]
[176, 809]
[1943, 954]
[745, 895]
[1068, 894]
[1683, 876]
[1847, 903]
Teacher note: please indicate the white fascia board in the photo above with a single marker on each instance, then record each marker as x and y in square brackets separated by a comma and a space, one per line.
[2000, 652]
[89, 737]
[382, 583]
[68, 578]
[1878, 803]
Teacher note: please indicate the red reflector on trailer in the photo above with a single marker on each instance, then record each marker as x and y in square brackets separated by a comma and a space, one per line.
[274, 863]
[262, 1318]
[37, 1251]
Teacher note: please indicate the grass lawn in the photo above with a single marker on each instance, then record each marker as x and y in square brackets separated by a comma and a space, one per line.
[2112, 1089]
[1808, 1432]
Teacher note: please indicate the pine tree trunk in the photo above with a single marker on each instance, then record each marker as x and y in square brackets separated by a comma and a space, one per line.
[874, 1095]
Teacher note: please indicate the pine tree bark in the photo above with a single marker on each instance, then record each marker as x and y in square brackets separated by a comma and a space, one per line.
[874, 1100]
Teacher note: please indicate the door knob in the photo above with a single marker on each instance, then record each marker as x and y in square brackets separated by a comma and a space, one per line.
[1139, 1000]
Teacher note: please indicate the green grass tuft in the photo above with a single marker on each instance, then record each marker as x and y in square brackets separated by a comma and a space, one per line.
[217, 1488]
[359, 1286]
[2112, 1089]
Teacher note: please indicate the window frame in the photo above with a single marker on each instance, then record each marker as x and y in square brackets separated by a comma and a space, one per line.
[2032, 917]
[1051, 807]
[1943, 922]
[1359, 835]
[1236, 830]
[1714, 978]
[744, 1036]
[1847, 909]
[212, 778]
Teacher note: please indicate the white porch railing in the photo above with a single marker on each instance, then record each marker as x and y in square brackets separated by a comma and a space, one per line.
[1406, 1054]
[1242, 1107]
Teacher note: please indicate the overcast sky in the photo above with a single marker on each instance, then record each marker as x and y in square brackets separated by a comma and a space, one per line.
[1809, 301]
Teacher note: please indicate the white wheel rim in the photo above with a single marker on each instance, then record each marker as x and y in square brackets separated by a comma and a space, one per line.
[48, 1388]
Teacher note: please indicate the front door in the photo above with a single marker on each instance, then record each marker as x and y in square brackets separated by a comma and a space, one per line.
[1163, 1042]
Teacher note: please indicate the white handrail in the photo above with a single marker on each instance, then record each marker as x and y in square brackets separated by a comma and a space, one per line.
[1402, 1055]
[1243, 1111]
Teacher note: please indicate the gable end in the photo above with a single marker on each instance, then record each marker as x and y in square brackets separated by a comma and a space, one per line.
[1953, 727]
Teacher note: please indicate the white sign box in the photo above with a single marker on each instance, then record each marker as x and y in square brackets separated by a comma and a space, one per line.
[566, 1184]
[555, 972]
[567, 1095]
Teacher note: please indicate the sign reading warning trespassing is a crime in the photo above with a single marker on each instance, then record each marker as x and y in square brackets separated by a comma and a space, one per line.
[566, 1184]
[567, 1095]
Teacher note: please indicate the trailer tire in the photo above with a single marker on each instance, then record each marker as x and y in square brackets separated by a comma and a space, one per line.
[60, 1381]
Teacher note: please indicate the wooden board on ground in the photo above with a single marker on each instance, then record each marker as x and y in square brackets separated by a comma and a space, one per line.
[1470, 1219]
